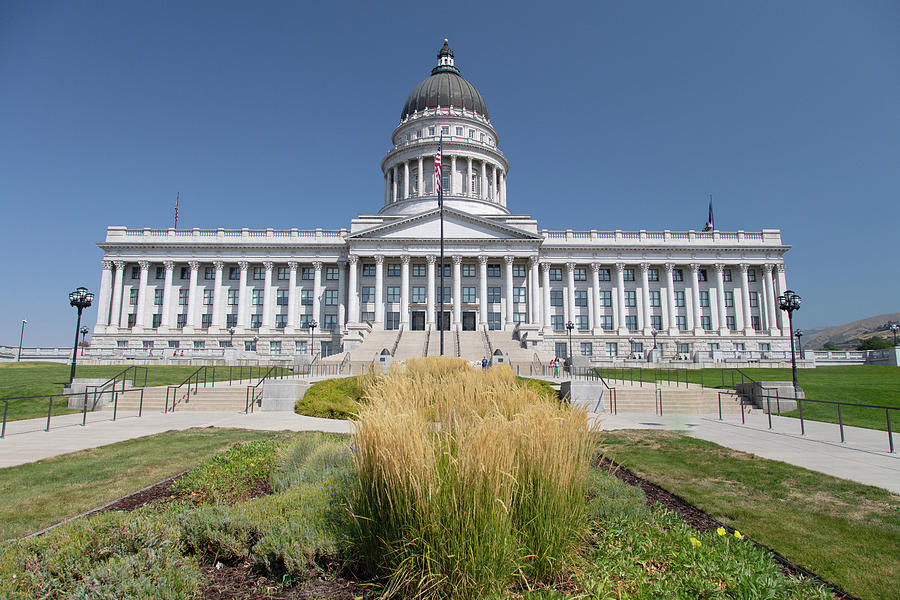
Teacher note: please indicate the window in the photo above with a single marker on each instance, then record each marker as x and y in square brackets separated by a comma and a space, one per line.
[250, 346]
[306, 297]
[580, 274]
[519, 317]
[256, 321]
[726, 275]
[206, 321]
[174, 344]
[655, 299]
[603, 274]
[393, 294]
[330, 322]
[493, 270]
[681, 322]
[555, 274]
[447, 297]
[459, 131]
[231, 321]
[729, 299]
[135, 272]
[637, 347]
[232, 297]
[518, 295]
[704, 298]
[468, 294]
[754, 299]
[677, 275]
[258, 298]
[309, 273]
[612, 349]
[157, 320]
[518, 270]
[581, 322]
[556, 322]
[367, 294]
[482, 137]
[679, 298]
[419, 271]
[207, 297]
[605, 297]
[629, 274]
[739, 346]
[587, 349]
[653, 274]
[157, 297]
[580, 297]
[259, 273]
[180, 320]
[300, 347]
[472, 133]
[209, 273]
[656, 322]
[606, 322]
[147, 344]
[631, 322]
[494, 321]
[160, 272]
[182, 297]
[283, 273]
[754, 322]
[751, 274]
[494, 295]
[393, 270]
[275, 347]
[281, 298]
[763, 346]
[331, 297]
[234, 273]
[556, 298]
[445, 129]
[367, 316]
[418, 294]
[132, 296]
[630, 298]
[437, 270]
[706, 322]
[701, 274]
[468, 270]
[729, 322]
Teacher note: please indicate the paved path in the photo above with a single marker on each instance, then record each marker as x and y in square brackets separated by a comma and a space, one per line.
[862, 458]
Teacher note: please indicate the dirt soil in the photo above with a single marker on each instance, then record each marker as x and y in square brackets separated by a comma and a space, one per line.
[239, 581]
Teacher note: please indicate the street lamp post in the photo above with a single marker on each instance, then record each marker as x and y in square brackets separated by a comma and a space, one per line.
[570, 326]
[81, 298]
[654, 332]
[84, 332]
[894, 328]
[231, 337]
[25, 321]
[312, 339]
[789, 301]
[799, 334]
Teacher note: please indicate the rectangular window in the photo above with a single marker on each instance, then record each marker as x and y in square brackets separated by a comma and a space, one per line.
[763, 347]
[603, 274]
[283, 273]
[160, 272]
[232, 297]
[258, 298]
[630, 298]
[367, 294]
[419, 270]
[581, 322]
[726, 275]
[519, 295]
[300, 347]
[494, 295]
[754, 322]
[493, 270]
[259, 273]
[556, 322]
[629, 274]
[677, 275]
[580, 297]
[518, 270]
[445, 129]
[605, 297]
[157, 320]
[182, 297]
[281, 298]
[705, 322]
[468, 270]
[147, 344]
[185, 272]
[256, 321]
[637, 347]
[306, 297]
[679, 298]
[472, 133]
[331, 297]
[275, 347]
[330, 322]
[683, 348]
[468, 294]
[729, 322]
[206, 321]
[249, 346]
[494, 321]
[653, 274]
[701, 274]
[655, 298]
[132, 297]
[580, 274]
[393, 270]
[729, 299]
[157, 297]
[519, 317]
[209, 273]
[459, 131]
[555, 274]
[656, 322]
[207, 297]
[231, 321]
[754, 299]
[418, 294]
[631, 322]
[612, 349]
[587, 349]
[174, 344]
[135, 272]
[234, 273]
[393, 293]
[309, 273]
[180, 320]
[447, 297]
[704, 299]
[606, 322]
[681, 322]
[556, 298]
[367, 316]
[751, 274]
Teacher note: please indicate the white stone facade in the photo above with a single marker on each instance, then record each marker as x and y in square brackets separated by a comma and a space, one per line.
[701, 292]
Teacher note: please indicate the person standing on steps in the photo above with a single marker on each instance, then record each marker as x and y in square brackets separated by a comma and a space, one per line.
[483, 362]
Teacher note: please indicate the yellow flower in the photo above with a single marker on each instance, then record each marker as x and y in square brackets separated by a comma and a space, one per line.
[738, 535]
[721, 531]
[695, 542]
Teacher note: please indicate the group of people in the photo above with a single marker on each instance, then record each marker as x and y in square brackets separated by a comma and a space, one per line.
[555, 363]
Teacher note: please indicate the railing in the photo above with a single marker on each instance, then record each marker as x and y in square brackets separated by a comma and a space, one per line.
[536, 365]
[206, 377]
[589, 373]
[487, 341]
[456, 338]
[397, 341]
[427, 341]
[344, 362]
[254, 391]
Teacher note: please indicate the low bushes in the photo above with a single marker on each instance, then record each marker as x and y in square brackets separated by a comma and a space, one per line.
[330, 399]
[237, 474]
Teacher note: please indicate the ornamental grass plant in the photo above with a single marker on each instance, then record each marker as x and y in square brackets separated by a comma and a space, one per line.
[467, 481]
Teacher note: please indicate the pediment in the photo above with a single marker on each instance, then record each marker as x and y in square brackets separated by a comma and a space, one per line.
[457, 226]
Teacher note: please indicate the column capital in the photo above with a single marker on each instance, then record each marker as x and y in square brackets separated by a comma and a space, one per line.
[780, 267]
[768, 267]
[243, 264]
[219, 265]
[545, 267]
[194, 265]
[595, 268]
[431, 258]
[620, 267]
[145, 264]
[120, 264]
[106, 265]
[353, 259]
[570, 266]
[379, 260]
[292, 264]
[669, 267]
[694, 267]
[744, 267]
[404, 259]
[509, 259]
[644, 267]
[533, 260]
[317, 265]
[457, 259]
[268, 265]
[720, 268]
[482, 259]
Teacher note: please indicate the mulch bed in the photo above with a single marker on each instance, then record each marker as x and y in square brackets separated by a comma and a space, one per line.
[155, 494]
[239, 581]
[701, 521]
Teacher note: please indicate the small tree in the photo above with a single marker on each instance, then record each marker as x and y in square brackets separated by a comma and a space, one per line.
[874, 343]
[829, 345]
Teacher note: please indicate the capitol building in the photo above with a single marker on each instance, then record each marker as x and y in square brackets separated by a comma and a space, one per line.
[508, 284]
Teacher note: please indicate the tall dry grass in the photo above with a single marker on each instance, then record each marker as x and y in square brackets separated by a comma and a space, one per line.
[467, 480]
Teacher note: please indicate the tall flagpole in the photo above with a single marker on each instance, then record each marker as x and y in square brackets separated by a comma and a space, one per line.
[441, 206]
[178, 195]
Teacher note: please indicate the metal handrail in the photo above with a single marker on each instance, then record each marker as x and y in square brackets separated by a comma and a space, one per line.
[344, 362]
[397, 340]
[252, 390]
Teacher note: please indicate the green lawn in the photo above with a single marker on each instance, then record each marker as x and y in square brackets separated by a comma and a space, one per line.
[862, 384]
[43, 378]
[845, 532]
[39, 494]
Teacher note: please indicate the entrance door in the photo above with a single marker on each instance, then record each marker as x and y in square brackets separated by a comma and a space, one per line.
[468, 321]
[418, 320]
[442, 323]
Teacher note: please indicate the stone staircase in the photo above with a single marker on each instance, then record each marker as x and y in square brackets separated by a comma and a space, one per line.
[472, 346]
[221, 397]
[672, 400]
[412, 345]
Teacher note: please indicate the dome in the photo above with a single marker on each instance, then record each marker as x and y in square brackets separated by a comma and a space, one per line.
[445, 87]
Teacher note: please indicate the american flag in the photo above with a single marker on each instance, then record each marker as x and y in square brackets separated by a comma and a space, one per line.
[709, 220]
[437, 169]
[176, 209]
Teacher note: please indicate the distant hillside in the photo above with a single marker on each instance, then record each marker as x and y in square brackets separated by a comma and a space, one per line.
[842, 336]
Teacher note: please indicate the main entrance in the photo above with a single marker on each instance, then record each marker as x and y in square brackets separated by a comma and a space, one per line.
[442, 323]
[418, 320]
[468, 321]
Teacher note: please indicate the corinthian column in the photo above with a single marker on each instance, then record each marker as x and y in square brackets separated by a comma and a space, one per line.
[292, 296]
[570, 301]
[620, 298]
[545, 281]
[404, 290]
[695, 287]
[747, 322]
[104, 296]
[317, 293]
[595, 298]
[379, 291]
[720, 299]
[218, 301]
[645, 297]
[457, 291]
[267, 295]
[166, 320]
[770, 300]
[670, 297]
[118, 286]
[534, 289]
[353, 292]
[242, 295]
[192, 295]
[508, 276]
[429, 291]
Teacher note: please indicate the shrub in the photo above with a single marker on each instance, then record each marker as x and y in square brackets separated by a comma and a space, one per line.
[236, 474]
[330, 399]
[611, 498]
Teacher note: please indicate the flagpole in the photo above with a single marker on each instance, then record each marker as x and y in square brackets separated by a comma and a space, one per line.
[441, 205]
[177, 195]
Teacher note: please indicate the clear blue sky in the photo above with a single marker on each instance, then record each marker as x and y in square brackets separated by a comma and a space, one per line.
[614, 115]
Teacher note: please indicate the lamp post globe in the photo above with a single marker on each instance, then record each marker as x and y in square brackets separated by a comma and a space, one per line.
[570, 326]
[231, 336]
[81, 298]
[654, 332]
[790, 301]
[22, 337]
[84, 332]
[799, 334]
[894, 329]
[312, 339]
